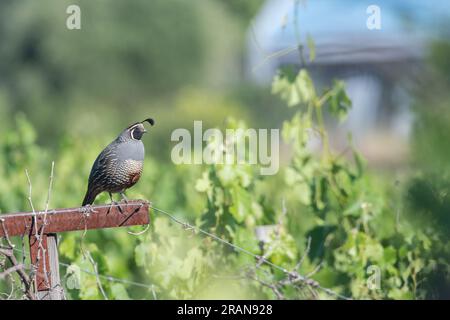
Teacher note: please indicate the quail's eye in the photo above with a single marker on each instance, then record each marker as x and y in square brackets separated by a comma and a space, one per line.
[136, 133]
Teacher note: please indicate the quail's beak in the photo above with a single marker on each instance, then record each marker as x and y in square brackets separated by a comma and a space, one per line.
[145, 131]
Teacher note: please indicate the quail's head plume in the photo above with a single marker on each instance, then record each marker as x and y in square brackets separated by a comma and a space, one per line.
[119, 166]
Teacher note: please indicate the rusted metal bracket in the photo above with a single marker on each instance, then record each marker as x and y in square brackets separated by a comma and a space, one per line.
[62, 220]
[41, 228]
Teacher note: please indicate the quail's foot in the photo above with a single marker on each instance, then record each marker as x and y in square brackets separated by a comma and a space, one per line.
[115, 204]
[87, 210]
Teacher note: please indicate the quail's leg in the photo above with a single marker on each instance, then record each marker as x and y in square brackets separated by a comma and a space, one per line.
[124, 198]
[113, 203]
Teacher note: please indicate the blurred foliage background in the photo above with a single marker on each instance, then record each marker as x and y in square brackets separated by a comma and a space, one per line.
[65, 94]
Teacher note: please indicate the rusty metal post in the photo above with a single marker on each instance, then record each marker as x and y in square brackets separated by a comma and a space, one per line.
[44, 256]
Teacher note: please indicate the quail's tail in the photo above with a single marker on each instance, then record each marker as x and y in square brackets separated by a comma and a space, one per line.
[89, 197]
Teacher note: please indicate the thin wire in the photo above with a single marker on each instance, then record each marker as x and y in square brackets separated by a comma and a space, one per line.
[106, 277]
[113, 279]
[297, 276]
[189, 226]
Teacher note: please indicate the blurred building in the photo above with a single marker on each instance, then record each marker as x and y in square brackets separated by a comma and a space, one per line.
[378, 66]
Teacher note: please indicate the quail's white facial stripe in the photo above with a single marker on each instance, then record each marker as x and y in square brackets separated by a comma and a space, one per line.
[132, 133]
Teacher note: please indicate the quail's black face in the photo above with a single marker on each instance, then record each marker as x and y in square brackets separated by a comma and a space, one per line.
[136, 131]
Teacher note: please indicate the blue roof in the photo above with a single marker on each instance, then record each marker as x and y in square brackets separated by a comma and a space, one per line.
[398, 16]
[340, 32]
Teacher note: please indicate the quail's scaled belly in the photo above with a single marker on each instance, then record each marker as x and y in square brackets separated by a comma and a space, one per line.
[133, 170]
[124, 175]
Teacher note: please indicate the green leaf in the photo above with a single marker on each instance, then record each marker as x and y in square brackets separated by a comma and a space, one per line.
[190, 264]
[73, 277]
[203, 184]
[305, 87]
[353, 210]
[226, 175]
[119, 292]
[67, 247]
[140, 254]
[242, 202]
[338, 100]
[390, 255]
[294, 90]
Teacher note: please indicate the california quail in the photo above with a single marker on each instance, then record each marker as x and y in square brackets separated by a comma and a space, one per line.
[119, 166]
